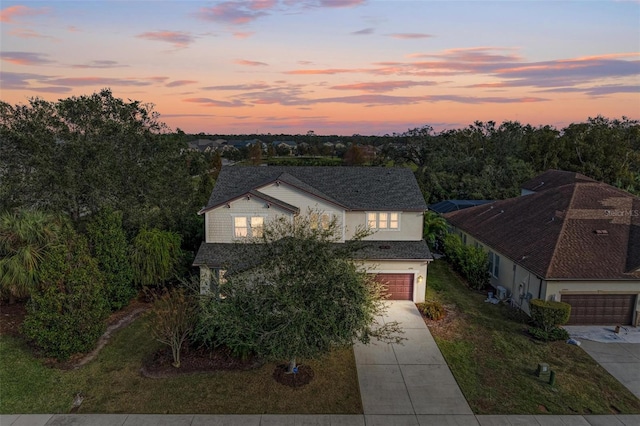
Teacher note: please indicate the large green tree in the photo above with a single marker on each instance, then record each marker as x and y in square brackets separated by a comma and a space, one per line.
[80, 154]
[304, 298]
[25, 238]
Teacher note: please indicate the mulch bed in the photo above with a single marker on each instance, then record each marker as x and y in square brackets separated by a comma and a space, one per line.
[195, 360]
[294, 380]
[11, 318]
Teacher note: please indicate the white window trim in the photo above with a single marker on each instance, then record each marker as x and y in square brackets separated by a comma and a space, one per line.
[249, 228]
[377, 227]
[319, 218]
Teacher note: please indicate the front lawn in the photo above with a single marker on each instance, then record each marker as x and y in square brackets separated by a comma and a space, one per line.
[112, 384]
[494, 360]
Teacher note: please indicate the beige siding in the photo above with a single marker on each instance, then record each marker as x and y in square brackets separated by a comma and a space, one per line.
[219, 221]
[410, 227]
[418, 268]
[304, 201]
[521, 284]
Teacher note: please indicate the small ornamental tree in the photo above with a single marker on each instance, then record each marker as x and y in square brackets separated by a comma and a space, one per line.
[111, 250]
[66, 313]
[305, 298]
[172, 319]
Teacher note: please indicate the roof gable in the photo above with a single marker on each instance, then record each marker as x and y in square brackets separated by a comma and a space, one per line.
[353, 188]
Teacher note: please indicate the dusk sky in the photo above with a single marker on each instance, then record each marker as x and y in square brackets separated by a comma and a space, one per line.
[332, 66]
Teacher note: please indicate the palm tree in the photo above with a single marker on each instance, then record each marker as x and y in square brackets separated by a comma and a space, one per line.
[25, 236]
[434, 226]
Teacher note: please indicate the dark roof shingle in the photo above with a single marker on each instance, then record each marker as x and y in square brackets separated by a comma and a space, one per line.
[353, 188]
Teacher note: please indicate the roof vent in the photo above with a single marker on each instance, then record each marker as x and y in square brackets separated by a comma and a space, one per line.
[601, 232]
[384, 247]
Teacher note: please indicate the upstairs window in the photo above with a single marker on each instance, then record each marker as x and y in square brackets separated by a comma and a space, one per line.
[383, 220]
[320, 220]
[248, 226]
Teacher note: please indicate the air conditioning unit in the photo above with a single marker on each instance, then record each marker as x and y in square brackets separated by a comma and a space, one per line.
[501, 293]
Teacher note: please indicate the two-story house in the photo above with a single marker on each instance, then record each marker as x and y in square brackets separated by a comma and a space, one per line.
[568, 238]
[386, 200]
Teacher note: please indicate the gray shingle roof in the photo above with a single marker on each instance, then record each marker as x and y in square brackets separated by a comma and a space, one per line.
[227, 255]
[353, 188]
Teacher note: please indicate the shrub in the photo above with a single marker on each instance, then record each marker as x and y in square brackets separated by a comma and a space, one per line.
[475, 267]
[66, 313]
[471, 262]
[432, 309]
[111, 250]
[549, 336]
[548, 315]
[156, 254]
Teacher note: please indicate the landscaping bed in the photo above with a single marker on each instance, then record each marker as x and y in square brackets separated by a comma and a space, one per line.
[494, 359]
[113, 383]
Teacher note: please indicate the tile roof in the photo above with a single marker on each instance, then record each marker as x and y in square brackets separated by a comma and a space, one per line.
[554, 178]
[226, 255]
[353, 188]
[582, 230]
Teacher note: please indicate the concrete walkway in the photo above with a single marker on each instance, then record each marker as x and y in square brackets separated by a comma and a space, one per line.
[401, 385]
[408, 378]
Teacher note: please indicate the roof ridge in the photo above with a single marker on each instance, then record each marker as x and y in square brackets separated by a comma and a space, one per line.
[560, 234]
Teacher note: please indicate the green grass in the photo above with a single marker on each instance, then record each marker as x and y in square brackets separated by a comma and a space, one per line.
[112, 384]
[493, 360]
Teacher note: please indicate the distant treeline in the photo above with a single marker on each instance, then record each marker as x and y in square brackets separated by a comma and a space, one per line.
[481, 161]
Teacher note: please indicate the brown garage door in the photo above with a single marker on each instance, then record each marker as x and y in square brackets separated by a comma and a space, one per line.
[600, 309]
[399, 286]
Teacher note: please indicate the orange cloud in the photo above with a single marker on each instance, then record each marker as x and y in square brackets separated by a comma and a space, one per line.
[250, 63]
[383, 86]
[9, 14]
[179, 39]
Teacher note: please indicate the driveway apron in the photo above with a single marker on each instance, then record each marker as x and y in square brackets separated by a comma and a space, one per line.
[410, 378]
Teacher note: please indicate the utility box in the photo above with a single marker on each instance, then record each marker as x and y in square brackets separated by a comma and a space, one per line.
[543, 371]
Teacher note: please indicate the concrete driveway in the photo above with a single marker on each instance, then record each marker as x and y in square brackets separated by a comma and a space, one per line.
[619, 354]
[411, 378]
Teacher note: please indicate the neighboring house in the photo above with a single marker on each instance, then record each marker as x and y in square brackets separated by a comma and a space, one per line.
[387, 200]
[570, 239]
[206, 145]
[447, 206]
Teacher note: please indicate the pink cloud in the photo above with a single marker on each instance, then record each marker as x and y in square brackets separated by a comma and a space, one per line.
[235, 12]
[179, 39]
[250, 63]
[25, 58]
[9, 14]
[328, 71]
[96, 81]
[179, 83]
[410, 36]
[245, 34]
[383, 86]
[99, 64]
[24, 33]
[215, 103]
